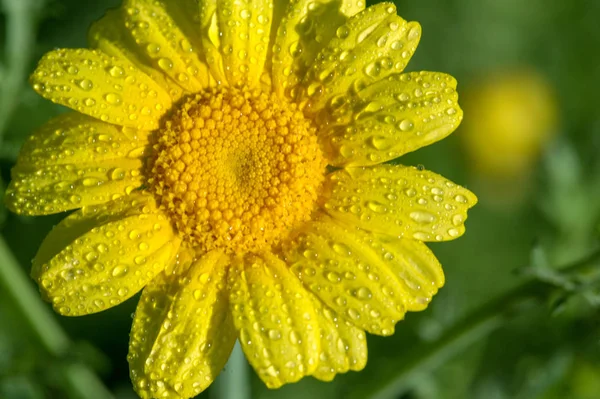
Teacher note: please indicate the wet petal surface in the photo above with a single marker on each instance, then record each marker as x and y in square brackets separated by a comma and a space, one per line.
[306, 26]
[390, 118]
[373, 44]
[276, 319]
[401, 201]
[108, 88]
[368, 281]
[182, 332]
[100, 256]
[73, 161]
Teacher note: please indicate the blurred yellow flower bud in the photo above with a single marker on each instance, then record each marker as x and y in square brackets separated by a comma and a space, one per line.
[509, 117]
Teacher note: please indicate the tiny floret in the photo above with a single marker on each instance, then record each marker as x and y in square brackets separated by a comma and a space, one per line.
[237, 169]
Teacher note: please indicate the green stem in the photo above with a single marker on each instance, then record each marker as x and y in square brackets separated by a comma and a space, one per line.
[470, 329]
[16, 286]
[20, 34]
[234, 380]
[81, 381]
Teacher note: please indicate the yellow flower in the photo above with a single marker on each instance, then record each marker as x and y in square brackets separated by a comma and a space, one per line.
[198, 160]
[513, 115]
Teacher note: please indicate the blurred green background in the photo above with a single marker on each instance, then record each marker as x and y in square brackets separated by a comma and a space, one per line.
[519, 315]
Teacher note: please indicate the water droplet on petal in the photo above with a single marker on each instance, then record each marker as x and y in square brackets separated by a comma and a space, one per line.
[406, 125]
[274, 334]
[86, 84]
[119, 271]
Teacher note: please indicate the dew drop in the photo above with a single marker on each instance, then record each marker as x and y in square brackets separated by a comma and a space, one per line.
[376, 207]
[153, 48]
[98, 267]
[419, 235]
[346, 151]
[353, 314]
[91, 256]
[458, 220]
[75, 199]
[116, 72]
[410, 192]
[295, 338]
[461, 199]
[342, 32]
[406, 125]
[364, 293]
[413, 34]
[341, 249]
[117, 174]
[113, 98]
[310, 254]
[185, 45]
[68, 274]
[119, 271]
[140, 260]
[334, 277]
[245, 336]
[381, 142]
[91, 181]
[165, 63]
[422, 217]
[86, 84]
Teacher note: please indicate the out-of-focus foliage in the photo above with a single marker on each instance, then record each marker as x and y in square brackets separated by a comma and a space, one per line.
[542, 342]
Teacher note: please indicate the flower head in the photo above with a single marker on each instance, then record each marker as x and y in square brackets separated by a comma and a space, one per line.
[518, 111]
[228, 157]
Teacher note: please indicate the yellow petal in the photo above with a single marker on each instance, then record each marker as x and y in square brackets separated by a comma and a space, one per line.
[77, 138]
[182, 332]
[241, 32]
[363, 280]
[112, 251]
[158, 29]
[391, 117]
[414, 263]
[305, 28]
[107, 88]
[211, 39]
[276, 319]
[81, 222]
[398, 200]
[110, 36]
[371, 45]
[73, 161]
[343, 346]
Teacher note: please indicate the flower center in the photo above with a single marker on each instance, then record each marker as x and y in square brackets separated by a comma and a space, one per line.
[236, 169]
